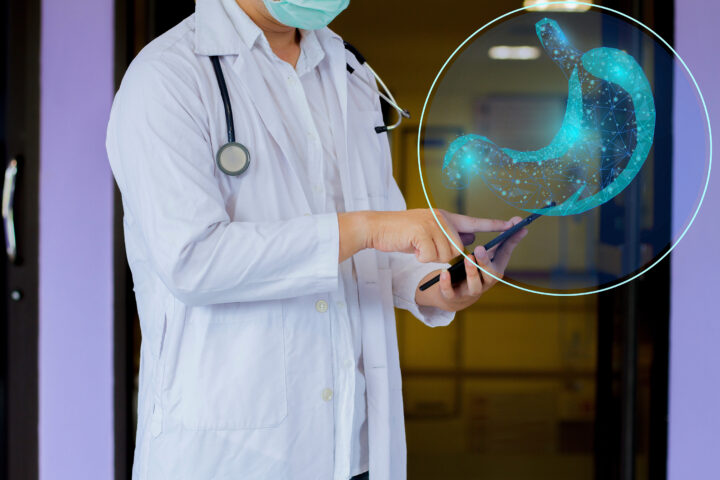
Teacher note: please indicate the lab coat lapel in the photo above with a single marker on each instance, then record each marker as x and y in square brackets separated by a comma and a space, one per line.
[374, 339]
[335, 52]
[374, 348]
[257, 90]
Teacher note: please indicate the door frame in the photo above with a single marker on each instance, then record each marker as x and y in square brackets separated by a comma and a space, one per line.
[639, 307]
[22, 92]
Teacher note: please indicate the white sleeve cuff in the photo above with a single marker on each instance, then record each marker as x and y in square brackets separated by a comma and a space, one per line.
[404, 286]
[327, 250]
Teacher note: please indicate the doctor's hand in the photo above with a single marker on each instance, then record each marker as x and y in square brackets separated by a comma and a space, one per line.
[411, 231]
[452, 298]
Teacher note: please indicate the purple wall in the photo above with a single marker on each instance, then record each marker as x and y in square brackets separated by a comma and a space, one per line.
[694, 435]
[76, 62]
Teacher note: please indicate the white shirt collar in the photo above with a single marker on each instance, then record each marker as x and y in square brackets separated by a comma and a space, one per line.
[311, 52]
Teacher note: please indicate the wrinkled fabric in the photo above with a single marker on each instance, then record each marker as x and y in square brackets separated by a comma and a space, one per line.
[230, 273]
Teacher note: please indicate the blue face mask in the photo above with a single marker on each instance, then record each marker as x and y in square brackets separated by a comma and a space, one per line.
[306, 14]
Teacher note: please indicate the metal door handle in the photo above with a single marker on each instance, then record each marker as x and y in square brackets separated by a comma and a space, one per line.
[8, 199]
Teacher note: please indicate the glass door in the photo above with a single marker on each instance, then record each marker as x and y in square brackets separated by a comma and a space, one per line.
[522, 385]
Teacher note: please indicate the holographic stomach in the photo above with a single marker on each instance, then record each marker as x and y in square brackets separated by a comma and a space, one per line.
[602, 144]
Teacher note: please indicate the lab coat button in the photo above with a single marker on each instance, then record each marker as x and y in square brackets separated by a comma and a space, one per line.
[321, 306]
[348, 363]
[327, 394]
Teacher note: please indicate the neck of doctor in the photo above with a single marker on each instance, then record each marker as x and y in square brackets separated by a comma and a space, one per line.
[284, 40]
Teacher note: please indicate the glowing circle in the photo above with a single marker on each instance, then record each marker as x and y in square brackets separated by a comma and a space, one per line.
[515, 177]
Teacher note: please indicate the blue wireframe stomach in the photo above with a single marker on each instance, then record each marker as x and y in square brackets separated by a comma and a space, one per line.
[605, 137]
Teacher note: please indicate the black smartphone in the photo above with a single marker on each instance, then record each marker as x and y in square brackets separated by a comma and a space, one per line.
[457, 267]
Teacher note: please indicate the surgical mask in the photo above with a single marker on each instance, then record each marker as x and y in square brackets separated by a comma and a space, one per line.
[306, 14]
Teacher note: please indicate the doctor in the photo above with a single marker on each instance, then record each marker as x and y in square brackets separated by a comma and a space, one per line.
[266, 299]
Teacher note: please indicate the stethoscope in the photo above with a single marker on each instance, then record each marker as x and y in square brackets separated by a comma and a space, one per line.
[233, 158]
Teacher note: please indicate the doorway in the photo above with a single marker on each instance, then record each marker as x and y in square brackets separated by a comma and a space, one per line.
[575, 389]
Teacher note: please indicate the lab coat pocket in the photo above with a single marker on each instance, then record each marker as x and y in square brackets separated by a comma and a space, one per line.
[233, 372]
[369, 157]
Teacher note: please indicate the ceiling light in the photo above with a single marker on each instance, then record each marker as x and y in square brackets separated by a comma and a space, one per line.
[506, 52]
[551, 6]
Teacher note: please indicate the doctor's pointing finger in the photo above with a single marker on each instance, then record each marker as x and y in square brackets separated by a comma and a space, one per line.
[269, 245]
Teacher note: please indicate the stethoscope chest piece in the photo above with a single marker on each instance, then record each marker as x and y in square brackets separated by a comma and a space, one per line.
[233, 158]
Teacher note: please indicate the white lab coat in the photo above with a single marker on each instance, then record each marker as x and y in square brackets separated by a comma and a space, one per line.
[227, 270]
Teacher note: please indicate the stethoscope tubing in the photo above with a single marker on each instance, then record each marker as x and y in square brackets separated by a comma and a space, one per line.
[225, 98]
[385, 95]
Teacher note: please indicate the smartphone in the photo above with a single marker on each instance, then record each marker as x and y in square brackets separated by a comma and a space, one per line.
[457, 267]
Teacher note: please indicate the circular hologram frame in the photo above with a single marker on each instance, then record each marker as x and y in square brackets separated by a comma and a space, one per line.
[584, 131]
